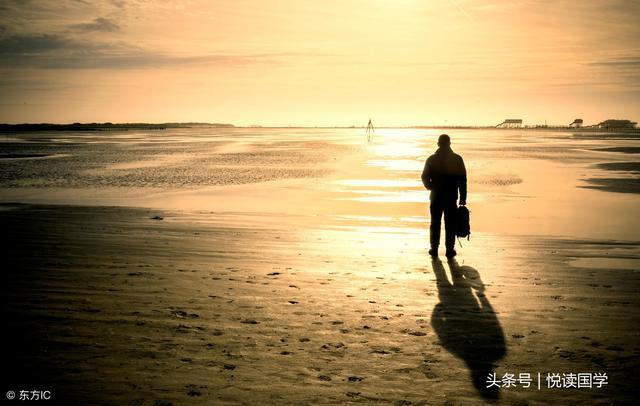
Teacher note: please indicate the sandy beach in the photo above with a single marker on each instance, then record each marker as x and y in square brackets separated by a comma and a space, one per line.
[304, 278]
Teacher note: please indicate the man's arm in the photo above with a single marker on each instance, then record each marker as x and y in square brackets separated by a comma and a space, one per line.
[426, 175]
[463, 183]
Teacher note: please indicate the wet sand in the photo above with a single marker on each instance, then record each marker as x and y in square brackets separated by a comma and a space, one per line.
[109, 305]
[290, 267]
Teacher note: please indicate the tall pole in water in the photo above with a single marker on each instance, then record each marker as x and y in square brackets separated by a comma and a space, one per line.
[370, 130]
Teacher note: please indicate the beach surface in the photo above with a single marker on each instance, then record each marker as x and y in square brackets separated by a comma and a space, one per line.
[274, 267]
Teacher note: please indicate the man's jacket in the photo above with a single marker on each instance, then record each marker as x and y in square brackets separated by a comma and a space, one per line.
[444, 173]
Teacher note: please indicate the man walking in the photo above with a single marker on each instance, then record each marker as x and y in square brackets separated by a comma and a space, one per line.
[444, 173]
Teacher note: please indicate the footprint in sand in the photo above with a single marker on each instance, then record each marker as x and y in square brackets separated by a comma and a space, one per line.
[250, 321]
[329, 345]
[192, 390]
[181, 314]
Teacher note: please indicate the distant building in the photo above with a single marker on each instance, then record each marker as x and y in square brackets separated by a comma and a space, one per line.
[577, 123]
[510, 123]
[614, 123]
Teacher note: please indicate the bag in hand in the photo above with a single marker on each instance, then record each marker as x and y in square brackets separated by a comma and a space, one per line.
[463, 226]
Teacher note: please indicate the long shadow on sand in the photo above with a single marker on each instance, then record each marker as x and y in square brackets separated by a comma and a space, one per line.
[466, 324]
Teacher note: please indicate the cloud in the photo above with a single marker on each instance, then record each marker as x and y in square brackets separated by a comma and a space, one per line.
[100, 24]
[140, 60]
[627, 67]
[628, 62]
[119, 3]
[29, 44]
[57, 51]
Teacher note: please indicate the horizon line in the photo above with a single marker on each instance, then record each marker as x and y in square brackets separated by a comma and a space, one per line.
[223, 124]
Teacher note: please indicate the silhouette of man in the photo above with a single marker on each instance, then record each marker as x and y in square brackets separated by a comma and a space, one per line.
[444, 174]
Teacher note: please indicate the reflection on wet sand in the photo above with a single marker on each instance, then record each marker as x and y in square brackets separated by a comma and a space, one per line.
[466, 324]
[287, 269]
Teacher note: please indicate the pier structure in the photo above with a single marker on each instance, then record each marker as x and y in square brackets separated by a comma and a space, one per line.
[577, 123]
[616, 123]
[511, 123]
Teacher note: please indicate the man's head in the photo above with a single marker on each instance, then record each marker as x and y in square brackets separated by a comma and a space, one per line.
[444, 141]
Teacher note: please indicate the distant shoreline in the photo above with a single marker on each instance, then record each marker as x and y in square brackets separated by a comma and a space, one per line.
[38, 127]
[104, 126]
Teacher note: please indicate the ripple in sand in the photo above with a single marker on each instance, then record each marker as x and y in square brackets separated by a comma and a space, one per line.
[606, 263]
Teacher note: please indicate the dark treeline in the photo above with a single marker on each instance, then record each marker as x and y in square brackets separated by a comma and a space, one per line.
[102, 126]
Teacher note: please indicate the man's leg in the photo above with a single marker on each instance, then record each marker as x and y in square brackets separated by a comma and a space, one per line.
[450, 226]
[435, 208]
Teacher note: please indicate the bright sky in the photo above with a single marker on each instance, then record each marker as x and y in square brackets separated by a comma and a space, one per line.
[311, 62]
